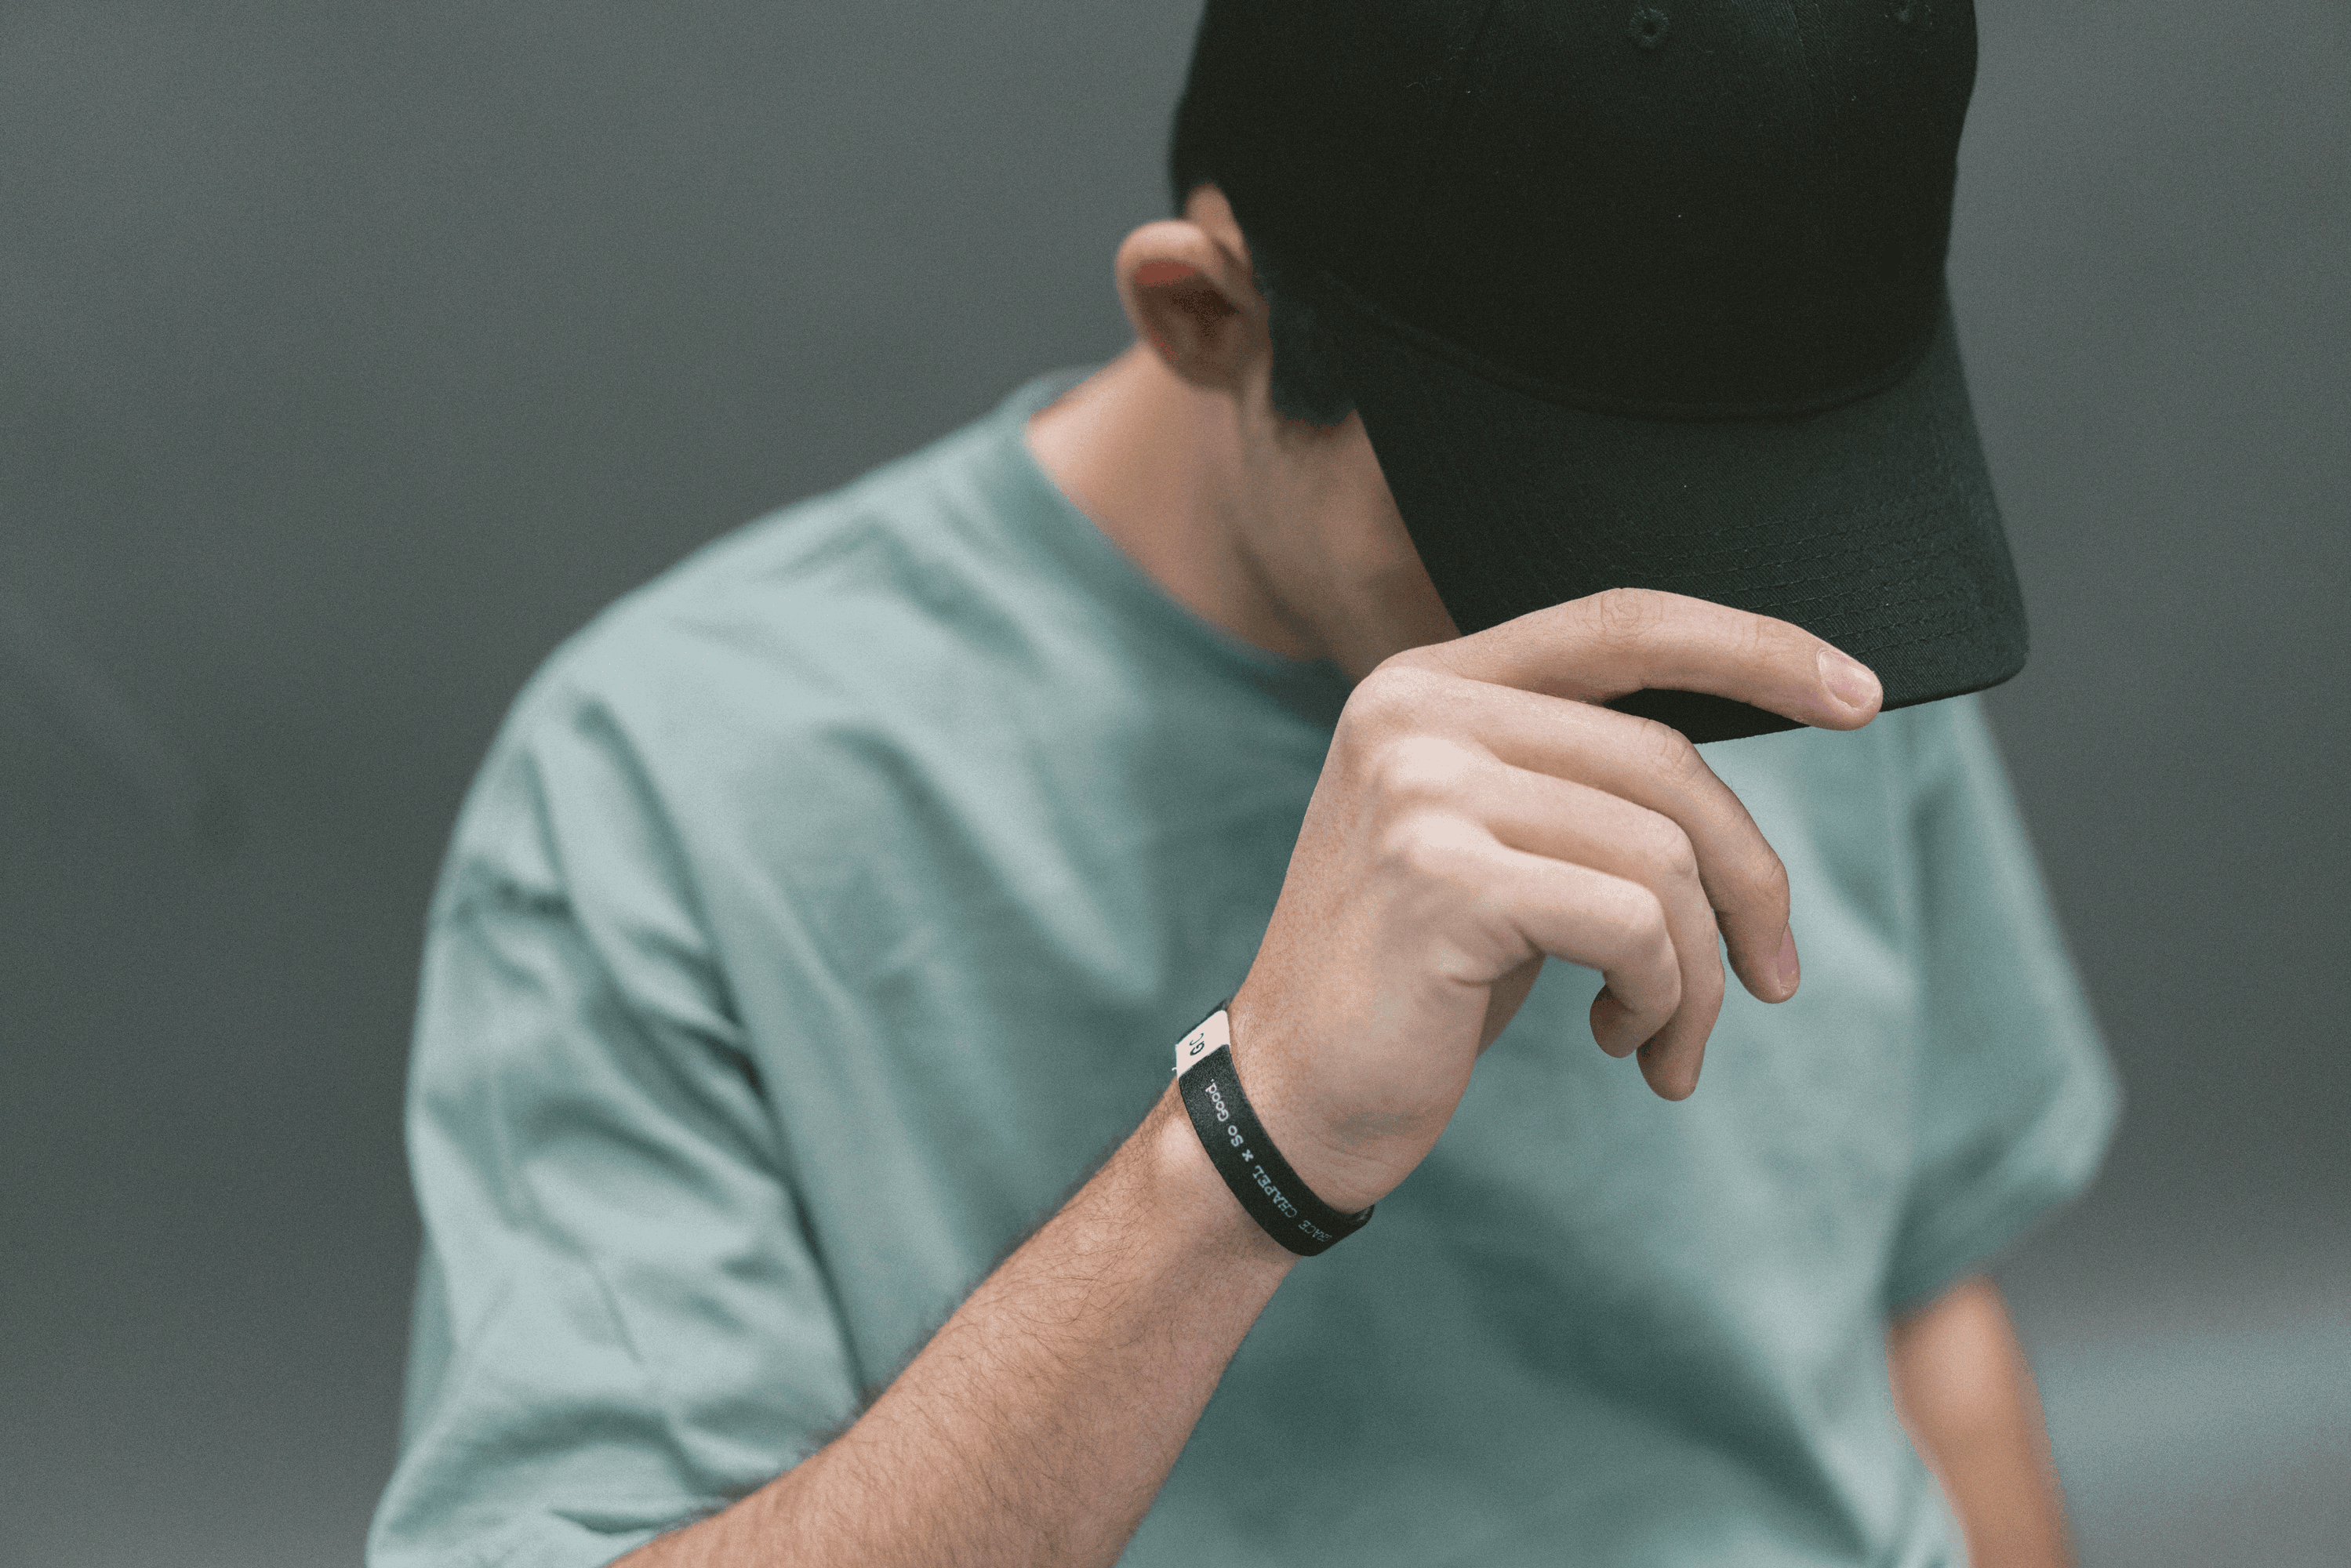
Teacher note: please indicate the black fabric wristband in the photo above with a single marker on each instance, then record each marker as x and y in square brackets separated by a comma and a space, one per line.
[1260, 1178]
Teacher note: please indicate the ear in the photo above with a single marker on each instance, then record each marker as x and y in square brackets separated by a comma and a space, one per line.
[1187, 288]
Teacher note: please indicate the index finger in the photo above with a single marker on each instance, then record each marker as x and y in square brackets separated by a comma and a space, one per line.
[1626, 639]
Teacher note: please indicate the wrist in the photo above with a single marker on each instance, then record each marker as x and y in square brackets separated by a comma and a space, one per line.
[1351, 1157]
[1188, 1198]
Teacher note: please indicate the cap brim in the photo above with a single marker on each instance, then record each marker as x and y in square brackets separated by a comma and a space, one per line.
[1871, 524]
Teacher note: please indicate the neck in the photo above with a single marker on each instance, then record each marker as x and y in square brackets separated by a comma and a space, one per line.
[1155, 463]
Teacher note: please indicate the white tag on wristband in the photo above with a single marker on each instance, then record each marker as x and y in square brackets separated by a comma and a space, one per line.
[1215, 1033]
[1244, 1157]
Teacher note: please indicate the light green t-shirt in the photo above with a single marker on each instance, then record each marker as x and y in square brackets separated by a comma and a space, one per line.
[826, 911]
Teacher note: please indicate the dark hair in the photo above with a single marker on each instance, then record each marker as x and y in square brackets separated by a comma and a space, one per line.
[1307, 383]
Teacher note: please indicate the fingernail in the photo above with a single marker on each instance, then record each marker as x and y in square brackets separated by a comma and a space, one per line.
[1850, 683]
[1788, 966]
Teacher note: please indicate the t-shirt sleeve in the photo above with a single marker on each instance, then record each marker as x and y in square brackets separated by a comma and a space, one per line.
[619, 1323]
[2017, 1100]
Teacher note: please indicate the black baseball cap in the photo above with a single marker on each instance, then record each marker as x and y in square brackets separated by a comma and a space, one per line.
[1638, 296]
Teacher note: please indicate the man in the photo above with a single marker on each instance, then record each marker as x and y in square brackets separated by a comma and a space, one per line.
[827, 910]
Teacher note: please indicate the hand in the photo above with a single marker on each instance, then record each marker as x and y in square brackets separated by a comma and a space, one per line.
[1479, 811]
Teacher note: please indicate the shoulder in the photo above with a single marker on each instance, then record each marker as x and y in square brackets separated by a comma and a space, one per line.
[759, 669]
[808, 592]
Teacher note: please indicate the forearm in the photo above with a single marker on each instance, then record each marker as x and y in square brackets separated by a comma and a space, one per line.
[1038, 1424]
[1967, 1396]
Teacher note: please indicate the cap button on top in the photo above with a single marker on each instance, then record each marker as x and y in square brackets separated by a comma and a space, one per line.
[1648, 26]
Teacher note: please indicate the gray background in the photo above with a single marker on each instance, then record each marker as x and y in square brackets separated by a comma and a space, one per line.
[353, 355]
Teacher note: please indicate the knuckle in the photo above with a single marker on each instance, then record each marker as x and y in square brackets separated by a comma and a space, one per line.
[1626, 615]
[1758, 883]
[1667, 1001]
[1668, 852]
[1782, 645]
[1422, 847]
[1705, 990]
[1429, 657]
[1391, 698]
[1418, 771]
[1643, 933]
[1662, 749]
